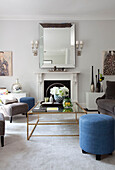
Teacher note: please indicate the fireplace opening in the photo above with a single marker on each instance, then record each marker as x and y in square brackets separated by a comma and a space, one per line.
[48, 84]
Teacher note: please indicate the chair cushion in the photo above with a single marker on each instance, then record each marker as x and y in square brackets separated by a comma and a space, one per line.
[107, 104]
[14, 109]
[110, 90]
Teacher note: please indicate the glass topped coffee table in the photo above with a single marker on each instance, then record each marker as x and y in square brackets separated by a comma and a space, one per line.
[39, 109]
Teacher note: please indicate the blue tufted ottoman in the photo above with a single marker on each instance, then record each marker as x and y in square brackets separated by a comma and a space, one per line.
[29, 100]
[96, 133]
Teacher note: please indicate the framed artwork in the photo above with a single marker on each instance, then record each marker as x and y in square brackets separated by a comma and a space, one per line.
[109, 63]
[5, 63]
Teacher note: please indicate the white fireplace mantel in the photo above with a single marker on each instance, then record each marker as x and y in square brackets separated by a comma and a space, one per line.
[72, 76]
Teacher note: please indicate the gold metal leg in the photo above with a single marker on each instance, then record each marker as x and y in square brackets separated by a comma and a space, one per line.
[33, 129]
[49, 123]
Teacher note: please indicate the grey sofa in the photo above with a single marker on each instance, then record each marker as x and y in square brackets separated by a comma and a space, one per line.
[106, 103]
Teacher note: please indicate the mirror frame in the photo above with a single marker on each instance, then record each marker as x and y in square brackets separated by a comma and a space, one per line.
[57, 25]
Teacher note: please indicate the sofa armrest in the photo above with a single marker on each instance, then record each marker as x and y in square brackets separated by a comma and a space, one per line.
[103, 97]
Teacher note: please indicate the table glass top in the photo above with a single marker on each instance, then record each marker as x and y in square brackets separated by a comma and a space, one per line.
[56, 107]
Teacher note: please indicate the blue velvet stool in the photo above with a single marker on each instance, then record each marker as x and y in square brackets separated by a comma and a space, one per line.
[96, 133]
[29, 100]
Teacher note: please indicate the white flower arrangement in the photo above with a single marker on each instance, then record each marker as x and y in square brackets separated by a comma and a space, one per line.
[60, 91]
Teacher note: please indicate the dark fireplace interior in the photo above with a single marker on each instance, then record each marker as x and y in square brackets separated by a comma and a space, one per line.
[48, 84]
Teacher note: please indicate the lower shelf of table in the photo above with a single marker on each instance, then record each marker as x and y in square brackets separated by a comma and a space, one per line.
[50, 122]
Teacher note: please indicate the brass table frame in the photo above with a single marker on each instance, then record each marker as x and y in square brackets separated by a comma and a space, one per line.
[55, 122]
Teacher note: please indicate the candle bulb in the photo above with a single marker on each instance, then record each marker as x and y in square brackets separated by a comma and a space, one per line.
[81, 42]
[32, 42]
[77, 42]
[36, 42]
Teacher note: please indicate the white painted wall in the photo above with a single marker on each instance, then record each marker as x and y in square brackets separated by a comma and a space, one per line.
[97, 36]
[16, 36]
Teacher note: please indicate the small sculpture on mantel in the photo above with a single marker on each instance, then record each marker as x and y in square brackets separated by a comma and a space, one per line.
[54, 68]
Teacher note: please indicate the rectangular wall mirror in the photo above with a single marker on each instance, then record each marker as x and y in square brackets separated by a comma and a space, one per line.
[57, 45]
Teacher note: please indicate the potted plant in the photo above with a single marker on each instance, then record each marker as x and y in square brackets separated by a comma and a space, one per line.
[59, 93]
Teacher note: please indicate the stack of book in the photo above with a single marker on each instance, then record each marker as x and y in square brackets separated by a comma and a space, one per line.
[52, 109]
[39, 109]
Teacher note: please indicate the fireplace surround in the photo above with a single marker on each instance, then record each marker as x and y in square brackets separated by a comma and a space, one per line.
[71, 77]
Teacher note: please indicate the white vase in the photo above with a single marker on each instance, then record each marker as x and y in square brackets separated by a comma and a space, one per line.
[16, 87]
[51, 99]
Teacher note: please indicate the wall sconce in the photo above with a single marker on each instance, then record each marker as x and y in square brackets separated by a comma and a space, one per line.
[79, 47]
[34, 46]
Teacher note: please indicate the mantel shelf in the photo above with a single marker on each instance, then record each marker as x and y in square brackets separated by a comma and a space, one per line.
[60, 72]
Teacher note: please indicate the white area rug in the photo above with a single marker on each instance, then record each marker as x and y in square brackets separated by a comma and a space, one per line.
[46, 153]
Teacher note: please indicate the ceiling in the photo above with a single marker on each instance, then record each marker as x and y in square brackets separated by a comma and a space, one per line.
[58, 9]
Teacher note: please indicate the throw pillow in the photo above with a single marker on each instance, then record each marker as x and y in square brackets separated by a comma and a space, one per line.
[110, 90]
[5, 99]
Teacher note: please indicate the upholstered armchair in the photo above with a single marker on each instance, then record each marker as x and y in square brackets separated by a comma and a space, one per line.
[11, 107]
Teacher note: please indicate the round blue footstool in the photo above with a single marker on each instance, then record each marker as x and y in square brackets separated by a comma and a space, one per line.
[96, 133]
[29, 100]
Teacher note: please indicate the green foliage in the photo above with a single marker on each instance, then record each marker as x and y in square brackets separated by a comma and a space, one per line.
[101, 77]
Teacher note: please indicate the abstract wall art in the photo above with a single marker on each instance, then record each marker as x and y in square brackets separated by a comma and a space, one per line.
[5, 63]
[109, 63]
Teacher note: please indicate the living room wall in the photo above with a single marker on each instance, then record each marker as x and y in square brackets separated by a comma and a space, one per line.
[16, 36]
